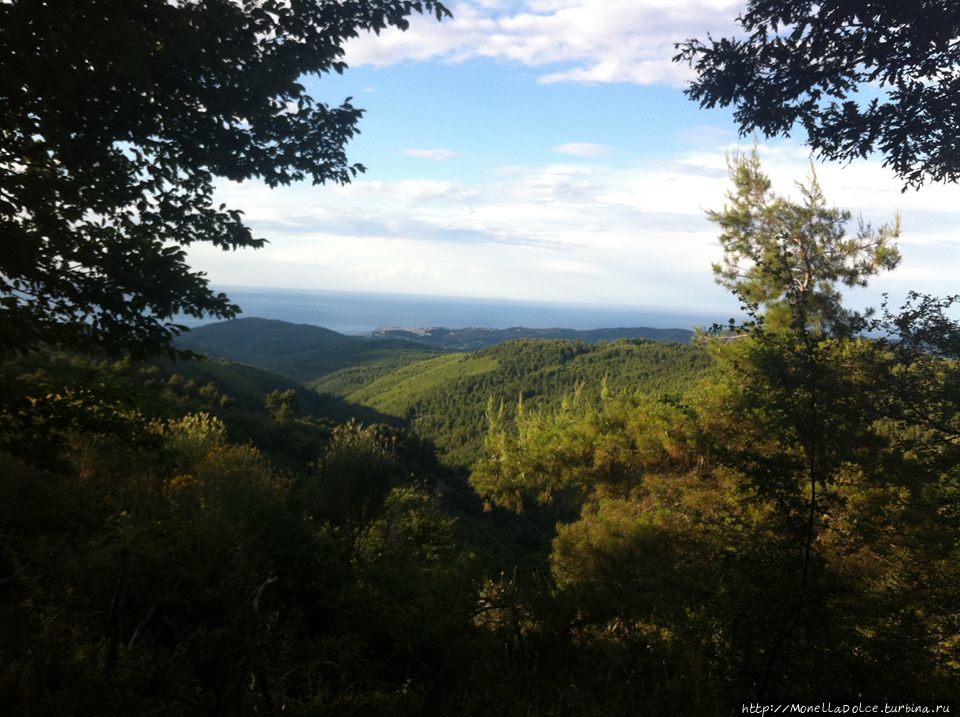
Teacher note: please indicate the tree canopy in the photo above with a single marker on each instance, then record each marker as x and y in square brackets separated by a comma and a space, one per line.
[857, 77]
[776, 521]
[116, 119]
[790, 257]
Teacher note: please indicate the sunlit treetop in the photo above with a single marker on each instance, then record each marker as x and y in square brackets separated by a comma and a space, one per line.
[790, 260]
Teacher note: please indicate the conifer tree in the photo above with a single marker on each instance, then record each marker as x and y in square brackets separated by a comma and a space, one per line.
[791, 258]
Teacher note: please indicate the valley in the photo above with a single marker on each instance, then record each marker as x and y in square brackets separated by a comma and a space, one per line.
[444, 394]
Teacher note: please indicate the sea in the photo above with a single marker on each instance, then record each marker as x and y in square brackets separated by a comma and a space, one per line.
[361, 313]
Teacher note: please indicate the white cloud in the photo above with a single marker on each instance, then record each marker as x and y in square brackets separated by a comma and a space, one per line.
[583, 149]
[624, 234]
[709, 135]
[572, 41]
[544, 233]
[572, 267]
[436, 154]
[408, 191]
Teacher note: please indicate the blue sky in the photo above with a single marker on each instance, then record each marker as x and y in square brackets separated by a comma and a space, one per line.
[544, 150]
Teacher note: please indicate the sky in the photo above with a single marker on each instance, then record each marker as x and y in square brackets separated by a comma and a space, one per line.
[544, 150]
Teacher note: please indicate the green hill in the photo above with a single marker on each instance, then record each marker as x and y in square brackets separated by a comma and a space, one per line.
[353, 378]
[300, 351]
[247, 387]
[445, 398]
[338, 364]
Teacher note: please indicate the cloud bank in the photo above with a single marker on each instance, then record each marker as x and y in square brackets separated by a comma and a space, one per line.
[568, 40]
[565, 232]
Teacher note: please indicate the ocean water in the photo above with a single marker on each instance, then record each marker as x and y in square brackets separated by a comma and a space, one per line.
[361, 312]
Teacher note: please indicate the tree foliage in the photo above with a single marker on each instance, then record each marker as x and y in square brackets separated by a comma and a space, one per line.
[792, 519]
[447, 397]
[188, 575]
[856, 77]
[791, 257]
[116, 119]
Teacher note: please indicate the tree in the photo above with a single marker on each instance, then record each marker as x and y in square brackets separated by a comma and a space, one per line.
[857, 77]
[754, 533]
[116, 118]
[791, 257]
[283, 405]
[799, 384]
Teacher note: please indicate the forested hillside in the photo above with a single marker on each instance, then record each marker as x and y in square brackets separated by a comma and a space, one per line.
[337, 363]
[446, 399]
[445, 396]
[300, 351]
[164, 534]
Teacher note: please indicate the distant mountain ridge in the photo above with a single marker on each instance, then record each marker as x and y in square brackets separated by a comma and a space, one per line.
[301, 351]
[305, 352]
[440, 381]
[474, 338]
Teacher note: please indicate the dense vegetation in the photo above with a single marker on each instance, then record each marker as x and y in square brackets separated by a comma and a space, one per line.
[447, 399]
[160, 565]
[444, 396]
[770, 514]
[303, 352]
[713, 557]
[191, 538]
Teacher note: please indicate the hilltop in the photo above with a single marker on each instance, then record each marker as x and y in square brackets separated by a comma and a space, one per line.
[412, 375]
[472, 339]
[340, 364]
[300, 351]
[445, 398]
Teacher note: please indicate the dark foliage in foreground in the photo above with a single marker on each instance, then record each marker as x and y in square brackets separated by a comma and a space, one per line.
[116, 118]
[855, 77]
